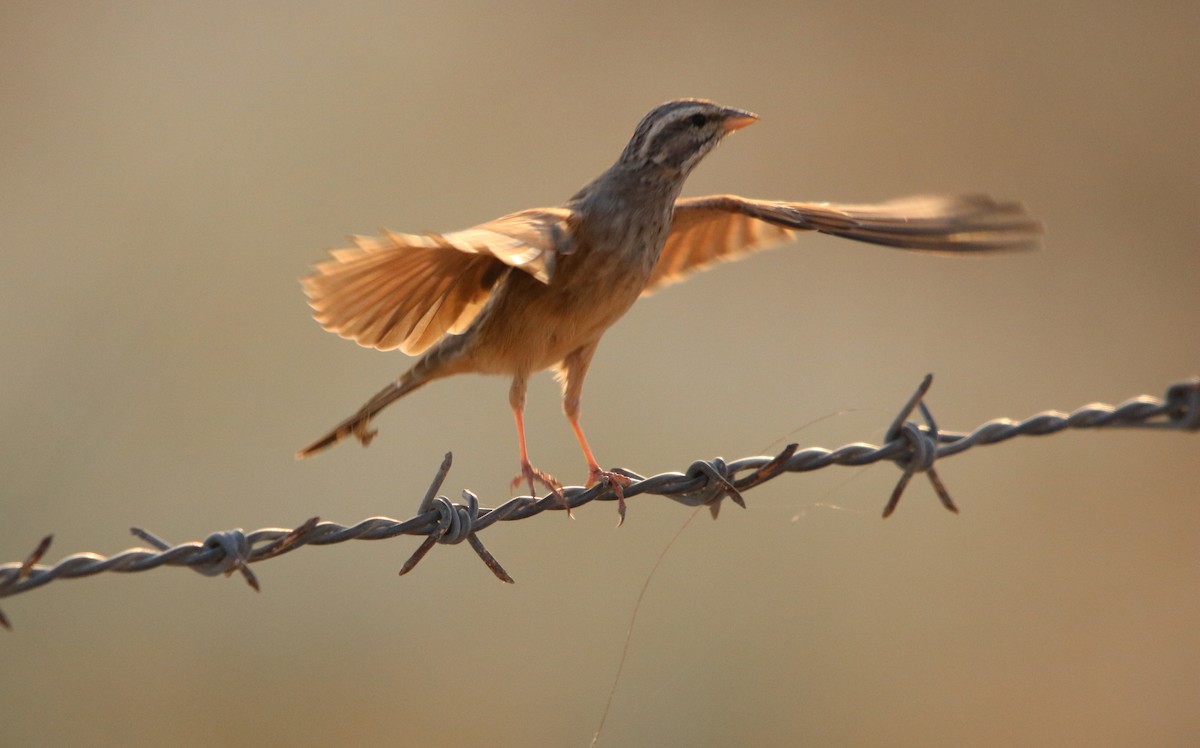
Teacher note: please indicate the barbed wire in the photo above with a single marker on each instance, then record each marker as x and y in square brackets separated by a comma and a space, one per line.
[913, 447]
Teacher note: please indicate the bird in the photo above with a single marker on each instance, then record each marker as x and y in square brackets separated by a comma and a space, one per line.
[536, 289]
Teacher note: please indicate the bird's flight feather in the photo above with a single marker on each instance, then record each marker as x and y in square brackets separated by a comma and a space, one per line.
[405, 291]
[720, 228]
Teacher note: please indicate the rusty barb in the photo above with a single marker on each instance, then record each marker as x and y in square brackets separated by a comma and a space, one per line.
[913, 447]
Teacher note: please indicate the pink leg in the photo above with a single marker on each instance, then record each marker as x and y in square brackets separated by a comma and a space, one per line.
[573, 370]
[516, 398]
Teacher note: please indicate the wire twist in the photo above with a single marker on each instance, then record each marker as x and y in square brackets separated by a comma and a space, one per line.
[914, 448]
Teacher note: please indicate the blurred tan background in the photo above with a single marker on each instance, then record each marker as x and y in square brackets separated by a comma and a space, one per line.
[170, 169]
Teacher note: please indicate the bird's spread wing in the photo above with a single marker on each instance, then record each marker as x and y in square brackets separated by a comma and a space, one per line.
[405, 291]
[719, 228]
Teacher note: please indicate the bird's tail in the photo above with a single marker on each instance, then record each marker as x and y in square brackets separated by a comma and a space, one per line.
[358, 425]
[446, 357]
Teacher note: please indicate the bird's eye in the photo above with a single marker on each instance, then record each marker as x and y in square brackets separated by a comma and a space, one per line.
[698, 120]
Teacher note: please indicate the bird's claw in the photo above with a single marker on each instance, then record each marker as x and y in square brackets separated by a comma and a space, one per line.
[616, 483]
[531, 474]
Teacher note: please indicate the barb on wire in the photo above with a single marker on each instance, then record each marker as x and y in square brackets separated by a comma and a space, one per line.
[913, 447]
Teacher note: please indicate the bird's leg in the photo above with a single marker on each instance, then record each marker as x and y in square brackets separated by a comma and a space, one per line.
[615, 481]
[516, 398]
[572, 371]
[530, 473]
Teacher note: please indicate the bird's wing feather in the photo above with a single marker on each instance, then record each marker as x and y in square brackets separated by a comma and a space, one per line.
[405, 291]
[719, 228]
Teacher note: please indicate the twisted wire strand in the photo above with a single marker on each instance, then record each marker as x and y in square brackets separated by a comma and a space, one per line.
[914, 448]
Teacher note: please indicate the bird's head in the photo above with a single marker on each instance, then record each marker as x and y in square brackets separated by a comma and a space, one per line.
[674, 136]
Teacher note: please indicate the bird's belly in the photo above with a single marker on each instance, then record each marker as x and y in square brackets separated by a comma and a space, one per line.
[529, 326]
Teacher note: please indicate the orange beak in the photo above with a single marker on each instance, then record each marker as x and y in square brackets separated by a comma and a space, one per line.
[736, 119]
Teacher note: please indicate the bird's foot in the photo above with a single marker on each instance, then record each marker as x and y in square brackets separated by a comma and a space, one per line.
[531, 474]
[616, 482]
